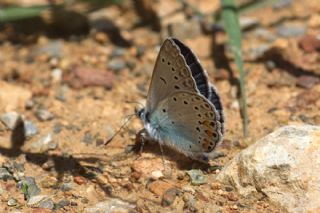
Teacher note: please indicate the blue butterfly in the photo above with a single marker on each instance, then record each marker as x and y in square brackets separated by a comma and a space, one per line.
[183, 109]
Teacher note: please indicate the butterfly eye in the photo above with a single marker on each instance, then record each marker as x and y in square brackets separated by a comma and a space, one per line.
[147, 117]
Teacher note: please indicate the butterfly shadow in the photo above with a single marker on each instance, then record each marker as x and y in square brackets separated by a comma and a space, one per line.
[182, 162]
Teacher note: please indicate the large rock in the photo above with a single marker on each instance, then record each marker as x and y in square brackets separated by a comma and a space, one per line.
[283, 166]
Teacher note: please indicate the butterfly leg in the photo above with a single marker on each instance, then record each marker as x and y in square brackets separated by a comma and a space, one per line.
[142, 136]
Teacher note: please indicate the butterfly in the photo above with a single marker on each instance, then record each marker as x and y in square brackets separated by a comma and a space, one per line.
[183, 109]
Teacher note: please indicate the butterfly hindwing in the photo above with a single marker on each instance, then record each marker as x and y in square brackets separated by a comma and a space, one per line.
[188, 122]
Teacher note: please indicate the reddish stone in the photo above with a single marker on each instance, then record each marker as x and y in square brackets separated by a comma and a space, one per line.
[79, 180]
[309, 43]
[85, 77]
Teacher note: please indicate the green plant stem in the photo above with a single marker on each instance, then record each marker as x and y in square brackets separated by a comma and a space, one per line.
[232, 27]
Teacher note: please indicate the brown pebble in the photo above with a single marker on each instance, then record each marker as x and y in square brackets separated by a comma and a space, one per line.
[129, 186]
[232, 197]
[159, 187]
[169, 196]
[80, 180]
[135, 176]
[307, 81]
[309, 43]
[215, 186]
[85, 77]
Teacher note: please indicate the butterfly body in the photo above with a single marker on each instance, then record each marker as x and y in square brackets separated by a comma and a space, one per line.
[183, 109]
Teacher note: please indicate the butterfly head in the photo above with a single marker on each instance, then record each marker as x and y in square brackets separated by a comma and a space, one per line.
[143, 115]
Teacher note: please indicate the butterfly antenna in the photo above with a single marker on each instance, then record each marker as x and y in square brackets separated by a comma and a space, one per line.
[128, 119]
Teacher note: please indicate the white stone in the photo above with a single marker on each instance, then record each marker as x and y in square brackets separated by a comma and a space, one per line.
[156, 174]
[110, 206]
[284, 166]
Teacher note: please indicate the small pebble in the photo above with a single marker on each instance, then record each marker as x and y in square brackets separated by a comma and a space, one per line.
[11, 120]
[248, 22]
[46, 204]
[4, 174]
[57, 128]
[56, 75]
[228, 189]
[232, 197]
[29, 187]
[53, 49]
[79, 180]
[189, 202]
[12, 202]
[307, 82]
[281, 4]
[259, 51]
[100, 142]
[215, 186]
[114, 204]
[66, 187]
[264, 34]
[44, 144]
[44, 115]
[88, 138]
[156, 174]
[140, 51]
[288, 31]
[60, 93]
[181, 175]
[270, 65]
[117, 64]
[117, 52]
[309, 43]
[84, 200]
[169, 196]
[188, 189]
[29, 129]
[62, 203]
[34, 201]
[29, 104]
[197, 177]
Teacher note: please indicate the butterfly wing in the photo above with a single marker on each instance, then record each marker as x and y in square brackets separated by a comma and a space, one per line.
[170, 74]
[189, 123]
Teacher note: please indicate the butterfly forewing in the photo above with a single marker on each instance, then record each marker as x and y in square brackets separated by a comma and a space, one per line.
[171, 74]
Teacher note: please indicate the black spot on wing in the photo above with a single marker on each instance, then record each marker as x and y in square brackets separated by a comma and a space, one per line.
[164, 81]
